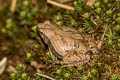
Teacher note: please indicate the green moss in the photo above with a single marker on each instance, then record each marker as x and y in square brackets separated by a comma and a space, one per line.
[24, 76]
[67, 75]
[84, 77]
[94, 72]
[20, 68]
[80, 69]
[30, 56]
[117, 20]
[103, 15]
[113, 77]
[59, 72]
[14, 76]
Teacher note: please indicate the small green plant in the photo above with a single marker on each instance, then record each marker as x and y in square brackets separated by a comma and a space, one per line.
[20, 68]
[64, 73]
[70, 69]
[110, 41]
[109, 12]
[24, 76]
[80, 6]
[86, 15]
[28, 15]
[84, 77]
[14, 76]
[117, 28]
[67, 75]
[97, 4]
[10, 29]
[58, 19]
[48, 56]
[94, 72]
[20, 74]
[35, 35]
[113, 77]
[80, 69]
[105, 1]
[30, 56]
[88, 26]
[98, 10]
[108, 68]
[59, 72]
[94, 75]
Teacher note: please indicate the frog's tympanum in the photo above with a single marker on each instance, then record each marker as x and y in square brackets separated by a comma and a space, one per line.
[66, 45]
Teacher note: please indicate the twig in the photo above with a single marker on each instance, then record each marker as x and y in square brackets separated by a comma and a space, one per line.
[3, 64]
[13, 5]
[45, 76]
[60, 5]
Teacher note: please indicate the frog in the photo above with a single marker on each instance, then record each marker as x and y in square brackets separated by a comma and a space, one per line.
[67, 45]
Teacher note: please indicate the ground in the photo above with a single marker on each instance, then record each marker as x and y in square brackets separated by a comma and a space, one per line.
[27, 54]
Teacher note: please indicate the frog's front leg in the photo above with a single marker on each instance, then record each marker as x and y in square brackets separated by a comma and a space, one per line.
[52, 56]
[55, 55]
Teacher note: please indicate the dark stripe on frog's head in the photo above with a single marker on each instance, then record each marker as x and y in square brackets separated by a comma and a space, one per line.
[50, 45]
[42, 34]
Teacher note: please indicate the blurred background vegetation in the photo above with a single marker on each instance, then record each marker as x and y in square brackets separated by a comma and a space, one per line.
[27, 55]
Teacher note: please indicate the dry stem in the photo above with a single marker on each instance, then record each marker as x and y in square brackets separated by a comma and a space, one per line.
[60, 5]
[45, 76]
[13, 5]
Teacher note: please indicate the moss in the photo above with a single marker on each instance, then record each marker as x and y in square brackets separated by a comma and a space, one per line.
[103, 16]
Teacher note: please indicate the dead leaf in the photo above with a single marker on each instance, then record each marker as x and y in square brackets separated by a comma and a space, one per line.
[90, 2]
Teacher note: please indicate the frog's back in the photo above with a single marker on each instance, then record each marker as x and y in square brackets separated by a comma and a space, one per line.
[67, 41]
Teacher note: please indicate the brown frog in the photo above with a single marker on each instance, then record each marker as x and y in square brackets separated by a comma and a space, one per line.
[66, 45]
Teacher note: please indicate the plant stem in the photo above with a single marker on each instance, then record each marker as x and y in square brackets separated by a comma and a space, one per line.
[60, 5]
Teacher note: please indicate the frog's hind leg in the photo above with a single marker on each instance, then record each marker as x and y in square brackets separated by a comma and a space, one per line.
[73, 58]
[52, 55]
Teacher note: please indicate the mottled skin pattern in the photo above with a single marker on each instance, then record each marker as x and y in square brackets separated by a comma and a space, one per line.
[66, 45]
